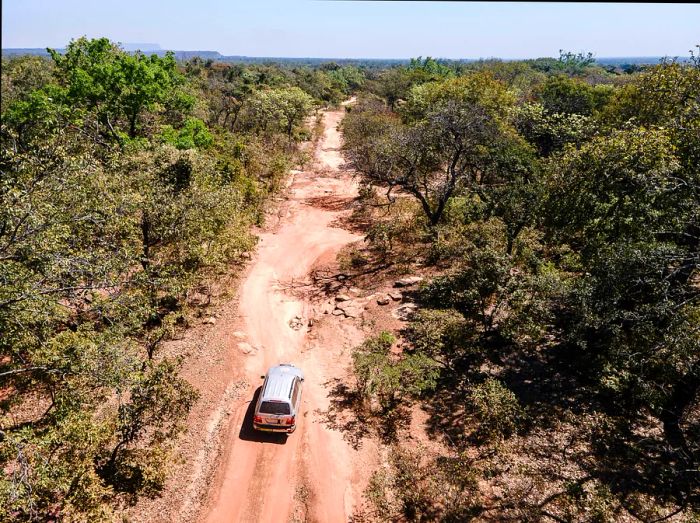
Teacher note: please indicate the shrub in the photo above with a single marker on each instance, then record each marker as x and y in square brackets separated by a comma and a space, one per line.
[496, 409]
[438, 333]
[404, 228]
[381, 236]
[418, 487]
[194, 134]
[386, 378]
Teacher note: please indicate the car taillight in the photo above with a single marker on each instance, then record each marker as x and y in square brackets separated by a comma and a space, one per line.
[257, 419]
[290, 421]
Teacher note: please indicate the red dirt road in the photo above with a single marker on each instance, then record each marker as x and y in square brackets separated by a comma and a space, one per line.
[313, 474]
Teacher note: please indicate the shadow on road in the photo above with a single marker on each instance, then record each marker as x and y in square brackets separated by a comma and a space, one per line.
[248, 433]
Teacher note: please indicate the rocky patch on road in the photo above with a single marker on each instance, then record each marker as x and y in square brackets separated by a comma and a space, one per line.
[408, 281]
[405, 311]
[296, 323]
[349, 301]
[384, 300]
[246, 348]
[350, 309]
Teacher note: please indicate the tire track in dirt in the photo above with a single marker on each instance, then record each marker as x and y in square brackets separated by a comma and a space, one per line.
[262, 474]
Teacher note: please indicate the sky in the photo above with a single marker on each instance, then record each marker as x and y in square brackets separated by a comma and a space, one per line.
[361, 29]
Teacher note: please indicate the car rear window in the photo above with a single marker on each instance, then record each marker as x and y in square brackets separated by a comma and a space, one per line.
[274, 407]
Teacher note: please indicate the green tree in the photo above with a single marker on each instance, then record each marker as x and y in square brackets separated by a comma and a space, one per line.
[551, 132]
[278, 109]
[561, 94]
[22, 75]
[628, 205]
[193, 134]
[666, 95]
[456, 138]
[622, 186]
[117, 85]
[395, 84]
[575, 63]
[388, 379]
[294, 105]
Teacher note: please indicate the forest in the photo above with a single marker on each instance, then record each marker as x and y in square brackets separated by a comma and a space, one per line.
[556, 347]
[125, 180]
[552, 204]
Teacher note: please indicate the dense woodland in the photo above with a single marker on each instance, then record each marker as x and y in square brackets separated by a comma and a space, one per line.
[556, 350]
[125, 180]
[555, 203]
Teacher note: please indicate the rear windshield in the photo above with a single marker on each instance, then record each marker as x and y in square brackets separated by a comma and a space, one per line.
[273, 407]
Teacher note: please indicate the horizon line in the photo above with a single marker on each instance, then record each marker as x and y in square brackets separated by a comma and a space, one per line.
[492, 57]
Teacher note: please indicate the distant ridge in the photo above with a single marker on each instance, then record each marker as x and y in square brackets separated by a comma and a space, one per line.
[130, 48]
[148, 48]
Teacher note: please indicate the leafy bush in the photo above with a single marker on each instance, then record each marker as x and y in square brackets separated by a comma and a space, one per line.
[382, 236]
[415, 487]
[194, 134]
[439, 334]
[496, 410]
[388, 378]
[478, 290]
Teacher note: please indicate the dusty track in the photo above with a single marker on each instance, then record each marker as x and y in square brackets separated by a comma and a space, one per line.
[310, 475]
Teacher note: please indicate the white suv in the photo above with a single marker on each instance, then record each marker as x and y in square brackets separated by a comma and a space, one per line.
[280, 399]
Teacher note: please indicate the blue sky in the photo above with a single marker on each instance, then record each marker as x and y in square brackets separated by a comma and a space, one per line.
[361, 29]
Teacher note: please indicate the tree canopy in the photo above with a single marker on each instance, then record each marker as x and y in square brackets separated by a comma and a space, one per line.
[126, 181]
[557, 206]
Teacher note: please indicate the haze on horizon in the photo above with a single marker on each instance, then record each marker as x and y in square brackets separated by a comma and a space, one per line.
[350, 29]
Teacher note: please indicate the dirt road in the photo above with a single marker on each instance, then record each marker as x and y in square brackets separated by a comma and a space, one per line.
[311, 474]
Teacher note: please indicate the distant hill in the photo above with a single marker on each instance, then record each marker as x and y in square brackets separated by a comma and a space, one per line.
[131, 48]
[17, 51]
[379, 62]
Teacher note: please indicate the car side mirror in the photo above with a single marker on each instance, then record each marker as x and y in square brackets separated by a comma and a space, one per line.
[262, 377]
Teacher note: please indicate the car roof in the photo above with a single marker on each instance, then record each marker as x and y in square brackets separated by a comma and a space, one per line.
[279, 381]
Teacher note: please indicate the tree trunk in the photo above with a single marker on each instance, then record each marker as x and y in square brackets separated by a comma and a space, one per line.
[235, 118]
[512, 234]
[145, 242]
[132, 124]
[433, 218]
[682, 397]
[290, 126]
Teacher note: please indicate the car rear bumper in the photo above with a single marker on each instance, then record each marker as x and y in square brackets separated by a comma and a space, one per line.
[275, 428]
